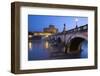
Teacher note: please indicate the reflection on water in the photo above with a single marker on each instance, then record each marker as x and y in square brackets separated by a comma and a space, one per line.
[30, 45]
[84, 48]
[43, 50]
[38, 50]
[46, 44]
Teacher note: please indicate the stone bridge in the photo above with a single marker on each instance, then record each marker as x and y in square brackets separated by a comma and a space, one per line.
[72, 39]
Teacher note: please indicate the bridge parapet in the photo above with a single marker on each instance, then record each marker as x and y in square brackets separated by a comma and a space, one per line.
[83, 28]
[78, 29]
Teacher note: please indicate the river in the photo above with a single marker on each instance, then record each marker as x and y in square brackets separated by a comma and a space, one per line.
[43, 50]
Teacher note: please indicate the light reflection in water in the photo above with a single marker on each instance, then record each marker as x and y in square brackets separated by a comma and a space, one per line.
[30, 45]
[42, 50]
[46, 45]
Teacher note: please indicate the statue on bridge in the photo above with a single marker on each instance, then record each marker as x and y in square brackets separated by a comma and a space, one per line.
[64, 32]
[64, 29]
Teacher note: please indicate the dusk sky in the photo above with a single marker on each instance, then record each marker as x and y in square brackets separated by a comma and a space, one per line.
[38, 22]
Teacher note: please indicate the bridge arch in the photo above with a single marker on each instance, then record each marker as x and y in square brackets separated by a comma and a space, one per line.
[75, 43]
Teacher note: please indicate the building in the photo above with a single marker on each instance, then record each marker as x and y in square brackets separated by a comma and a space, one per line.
[51, 29]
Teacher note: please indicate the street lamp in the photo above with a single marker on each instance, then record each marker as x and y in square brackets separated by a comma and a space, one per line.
[76, 20]
[64, 31]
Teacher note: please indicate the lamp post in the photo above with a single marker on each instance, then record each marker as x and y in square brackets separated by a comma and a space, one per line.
[76, 20]
[64, 31]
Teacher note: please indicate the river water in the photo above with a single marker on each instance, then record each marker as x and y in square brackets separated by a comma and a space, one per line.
[43, 50]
